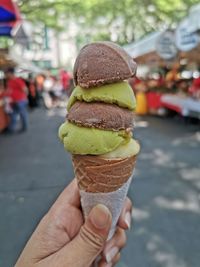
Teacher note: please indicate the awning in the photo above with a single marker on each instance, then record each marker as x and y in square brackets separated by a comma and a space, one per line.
[144, 46]
[22, 64]
[9, 11]
[186, 34]
[194, 16]
[9, 17]
[6, 29]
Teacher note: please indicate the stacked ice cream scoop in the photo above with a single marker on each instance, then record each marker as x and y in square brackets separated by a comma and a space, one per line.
[98, 130]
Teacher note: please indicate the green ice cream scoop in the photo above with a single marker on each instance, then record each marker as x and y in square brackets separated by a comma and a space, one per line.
[83, 141]
[129, 149]
[120, 94]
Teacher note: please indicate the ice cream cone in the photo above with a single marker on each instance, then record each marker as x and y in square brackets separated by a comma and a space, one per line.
[98, 175]
[103, 181]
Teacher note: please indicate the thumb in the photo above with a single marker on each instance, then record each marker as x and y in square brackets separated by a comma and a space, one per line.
[89, 243]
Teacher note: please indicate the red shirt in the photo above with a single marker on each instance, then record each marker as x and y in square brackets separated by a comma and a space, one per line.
[16, 88]
[195, 87]
[196, 82]
[65, 79]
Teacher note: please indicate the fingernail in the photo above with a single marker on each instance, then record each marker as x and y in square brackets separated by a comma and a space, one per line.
[127, 219]
[111, 254]
[100, 216]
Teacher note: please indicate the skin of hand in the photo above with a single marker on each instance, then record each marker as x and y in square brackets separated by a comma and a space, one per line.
[63, 239]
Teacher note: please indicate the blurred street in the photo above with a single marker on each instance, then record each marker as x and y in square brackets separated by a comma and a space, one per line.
[34, 169]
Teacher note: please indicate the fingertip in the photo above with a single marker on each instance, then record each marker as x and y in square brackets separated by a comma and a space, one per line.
[126, 215]
[127, 219]
[115, 260]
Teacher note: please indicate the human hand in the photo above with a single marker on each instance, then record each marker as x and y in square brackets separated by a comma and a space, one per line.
[62, 239]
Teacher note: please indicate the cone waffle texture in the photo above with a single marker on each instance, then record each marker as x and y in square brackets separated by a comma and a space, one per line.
[98, 175]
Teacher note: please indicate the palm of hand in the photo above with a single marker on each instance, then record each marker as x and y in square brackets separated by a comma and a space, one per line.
[58, 228]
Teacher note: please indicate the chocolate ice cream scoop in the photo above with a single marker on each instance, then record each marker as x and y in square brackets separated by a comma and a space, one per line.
[101, 115]
[102, 63]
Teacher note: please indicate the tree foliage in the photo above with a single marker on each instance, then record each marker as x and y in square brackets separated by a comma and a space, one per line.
[118, 20]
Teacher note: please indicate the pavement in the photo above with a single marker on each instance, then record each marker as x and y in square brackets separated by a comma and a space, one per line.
[34, 169]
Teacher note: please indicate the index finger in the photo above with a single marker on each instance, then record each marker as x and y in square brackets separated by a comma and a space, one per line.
[125, 216]
[70, 195]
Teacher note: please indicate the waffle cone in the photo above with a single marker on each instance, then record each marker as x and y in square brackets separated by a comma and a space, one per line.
[98, 175]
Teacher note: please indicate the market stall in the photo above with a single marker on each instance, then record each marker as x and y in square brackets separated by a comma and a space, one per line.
[9, 11]
[5, 62]
[186, 106]
[155, 51]
[172, 58]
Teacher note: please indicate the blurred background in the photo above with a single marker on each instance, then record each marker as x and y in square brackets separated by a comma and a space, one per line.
[39, 41]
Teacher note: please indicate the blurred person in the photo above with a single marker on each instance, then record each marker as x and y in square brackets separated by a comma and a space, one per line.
[152, 84]
[56, 92]
[194, 89]
[141, 99]
[67, 82]
[48, 91]
[17, 91]
[57, 87]
[65, 78]
[171, 78]
[173, 74]
[171, 87]
[33, 96]
[160, 79]
[48, 83]
[155, 89]
[40, 78]
[62, 238]
[183, 87]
